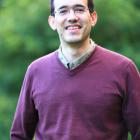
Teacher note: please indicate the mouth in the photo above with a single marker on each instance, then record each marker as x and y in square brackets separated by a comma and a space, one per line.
[73, 27]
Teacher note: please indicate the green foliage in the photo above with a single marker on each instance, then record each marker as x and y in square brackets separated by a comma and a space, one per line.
[7, 107]
[25, 35]
[118, 27]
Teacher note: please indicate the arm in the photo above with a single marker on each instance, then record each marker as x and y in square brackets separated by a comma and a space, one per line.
[132, 101]
[26, 117]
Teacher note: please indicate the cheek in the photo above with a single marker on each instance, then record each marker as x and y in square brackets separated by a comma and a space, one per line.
[60, 28]
[87, 21]
[88, 24]
[59, 22]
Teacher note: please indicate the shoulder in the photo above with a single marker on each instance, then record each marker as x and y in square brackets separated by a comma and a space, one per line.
[44, 59]
[42, 63]
[112, 57]
[115, 62]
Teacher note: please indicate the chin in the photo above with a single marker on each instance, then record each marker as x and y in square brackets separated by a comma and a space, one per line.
[73, 39]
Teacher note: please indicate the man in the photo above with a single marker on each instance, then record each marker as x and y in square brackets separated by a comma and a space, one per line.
[81, 91]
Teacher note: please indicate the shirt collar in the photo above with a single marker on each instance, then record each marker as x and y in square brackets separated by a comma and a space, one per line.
[75, 63]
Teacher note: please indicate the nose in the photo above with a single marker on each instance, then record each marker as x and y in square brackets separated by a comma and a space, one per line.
[72, 16]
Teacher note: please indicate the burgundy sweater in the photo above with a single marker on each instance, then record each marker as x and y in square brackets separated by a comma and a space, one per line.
[99, 100]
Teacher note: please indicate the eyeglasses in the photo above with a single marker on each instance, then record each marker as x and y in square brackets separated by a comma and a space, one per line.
[77, 11]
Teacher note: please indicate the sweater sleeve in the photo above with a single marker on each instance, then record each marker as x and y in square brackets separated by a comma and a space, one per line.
[26, 117]
[132, 101]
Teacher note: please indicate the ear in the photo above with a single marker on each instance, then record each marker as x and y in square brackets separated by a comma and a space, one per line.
[51, 21]
[94, 18]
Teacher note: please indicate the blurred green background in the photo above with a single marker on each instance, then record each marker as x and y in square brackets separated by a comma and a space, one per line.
[25, 35]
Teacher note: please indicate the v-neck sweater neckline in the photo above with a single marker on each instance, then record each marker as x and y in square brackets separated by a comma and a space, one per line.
[78, 68]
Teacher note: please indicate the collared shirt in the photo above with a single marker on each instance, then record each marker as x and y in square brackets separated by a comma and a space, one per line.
[75, 63]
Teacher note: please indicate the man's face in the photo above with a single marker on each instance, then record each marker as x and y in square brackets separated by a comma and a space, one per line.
[72, 20]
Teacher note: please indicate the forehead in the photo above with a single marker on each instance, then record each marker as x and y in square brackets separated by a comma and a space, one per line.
[69, 3]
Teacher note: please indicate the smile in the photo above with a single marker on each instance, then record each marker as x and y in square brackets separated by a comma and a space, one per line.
[73, 27]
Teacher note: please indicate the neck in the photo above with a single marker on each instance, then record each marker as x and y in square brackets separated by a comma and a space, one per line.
[75, 50]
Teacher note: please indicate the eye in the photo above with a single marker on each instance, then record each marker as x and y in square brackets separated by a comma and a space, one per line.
[63, 11]
[79, 9]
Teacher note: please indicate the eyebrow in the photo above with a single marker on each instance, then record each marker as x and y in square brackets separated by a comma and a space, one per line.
[65, 6]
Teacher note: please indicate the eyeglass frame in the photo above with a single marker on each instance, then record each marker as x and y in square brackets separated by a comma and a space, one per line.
[80, 10]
